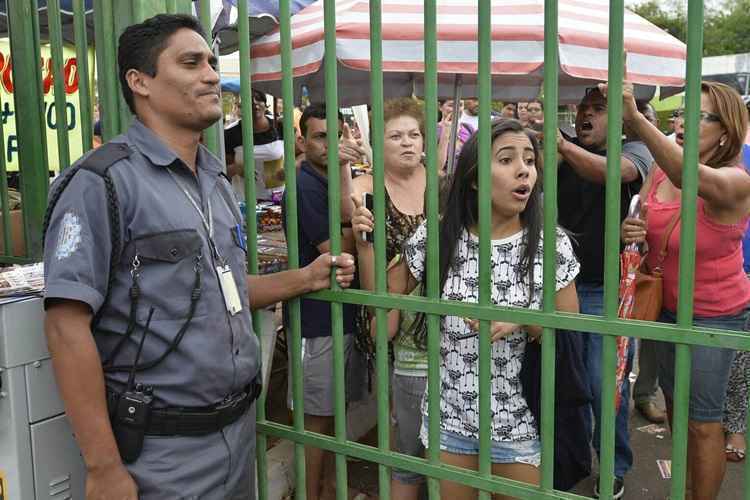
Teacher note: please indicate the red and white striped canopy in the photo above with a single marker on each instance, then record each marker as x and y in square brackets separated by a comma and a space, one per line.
[654, 57]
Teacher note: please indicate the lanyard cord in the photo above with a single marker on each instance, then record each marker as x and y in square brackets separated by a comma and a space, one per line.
[208, 223]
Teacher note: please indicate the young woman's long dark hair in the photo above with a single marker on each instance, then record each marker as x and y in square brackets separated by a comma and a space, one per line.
[460, 211]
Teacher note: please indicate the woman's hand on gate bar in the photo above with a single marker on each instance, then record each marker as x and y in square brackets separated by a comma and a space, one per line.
[633, 230]
[362, 221]
[110, 482]
[320, 270]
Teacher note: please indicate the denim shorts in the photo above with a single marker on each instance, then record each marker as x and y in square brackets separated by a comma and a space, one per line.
[709, 372]
[502, 452]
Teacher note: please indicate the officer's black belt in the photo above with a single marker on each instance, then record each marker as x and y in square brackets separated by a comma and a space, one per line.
[197, 421]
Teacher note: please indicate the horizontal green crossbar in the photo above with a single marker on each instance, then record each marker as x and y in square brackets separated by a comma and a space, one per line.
[709, 337]
[494, 484]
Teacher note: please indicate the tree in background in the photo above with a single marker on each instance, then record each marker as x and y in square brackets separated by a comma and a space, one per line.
[725, 30]
[669, 15]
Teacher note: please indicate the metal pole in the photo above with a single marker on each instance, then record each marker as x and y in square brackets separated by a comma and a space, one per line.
[458, 79]
[551, 92]
[106, 62]
[687, 246]
[85, 98]
[485, 236]
[211, 134]
[31, 130]
[56, 53]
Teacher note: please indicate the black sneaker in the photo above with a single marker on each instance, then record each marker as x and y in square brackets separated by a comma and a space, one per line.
[618, 488]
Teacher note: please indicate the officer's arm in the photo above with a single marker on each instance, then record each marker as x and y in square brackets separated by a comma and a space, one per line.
[78, 369]
[593, 167]
[268, 289]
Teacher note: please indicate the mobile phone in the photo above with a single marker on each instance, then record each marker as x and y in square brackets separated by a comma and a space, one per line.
[369, 203]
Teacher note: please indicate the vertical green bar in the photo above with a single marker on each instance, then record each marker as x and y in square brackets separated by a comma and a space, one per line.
[381, 336]
[746, 468]
[547, 424]
[125, 14]
[58, 78]
[31, 131]
[85, 97]
[485, 237]
[211, 134]
[185, 6]
[294, 335]
[248, 155]
[334, 225]
[433, 241]
[615, 75]
[687, 245]
[172, 8]
[106, 63]
[4, 203]
[137, 10]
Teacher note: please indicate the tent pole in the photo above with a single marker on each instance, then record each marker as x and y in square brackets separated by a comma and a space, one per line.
[454, 124]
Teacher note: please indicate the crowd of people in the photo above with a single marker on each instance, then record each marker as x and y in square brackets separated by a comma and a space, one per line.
[145, 264]
[651, 164]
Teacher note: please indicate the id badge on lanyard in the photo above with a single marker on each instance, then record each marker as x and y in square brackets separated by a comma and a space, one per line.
[227, 285]
[229, 289]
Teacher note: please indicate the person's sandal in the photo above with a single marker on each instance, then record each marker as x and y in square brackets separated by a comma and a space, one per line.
[734, 454]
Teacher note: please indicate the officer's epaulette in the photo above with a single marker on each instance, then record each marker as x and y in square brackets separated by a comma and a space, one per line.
[104, 157]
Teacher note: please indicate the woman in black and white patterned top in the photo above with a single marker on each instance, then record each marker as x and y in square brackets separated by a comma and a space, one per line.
[516, 266]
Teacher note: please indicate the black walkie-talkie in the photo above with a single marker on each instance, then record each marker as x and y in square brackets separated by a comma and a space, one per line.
[133, 411]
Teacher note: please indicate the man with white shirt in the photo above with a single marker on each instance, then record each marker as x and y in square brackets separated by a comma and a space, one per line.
[268, 151]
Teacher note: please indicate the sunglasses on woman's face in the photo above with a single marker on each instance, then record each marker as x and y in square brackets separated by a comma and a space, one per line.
[706, 117]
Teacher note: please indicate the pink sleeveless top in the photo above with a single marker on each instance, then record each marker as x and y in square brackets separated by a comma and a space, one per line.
[721, 286]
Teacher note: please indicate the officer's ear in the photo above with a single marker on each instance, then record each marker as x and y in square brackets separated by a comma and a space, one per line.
[138, 82]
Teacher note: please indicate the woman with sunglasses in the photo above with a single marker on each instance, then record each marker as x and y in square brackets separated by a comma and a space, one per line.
[722, 290]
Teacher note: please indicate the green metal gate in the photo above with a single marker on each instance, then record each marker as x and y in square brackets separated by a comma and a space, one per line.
[111, 17]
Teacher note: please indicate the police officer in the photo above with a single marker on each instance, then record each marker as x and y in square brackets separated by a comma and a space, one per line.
[148, 301]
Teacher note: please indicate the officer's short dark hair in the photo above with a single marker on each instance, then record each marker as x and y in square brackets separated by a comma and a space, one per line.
[141, 45]
[314, 110]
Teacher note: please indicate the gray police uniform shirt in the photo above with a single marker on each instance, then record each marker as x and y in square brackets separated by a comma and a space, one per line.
[218, 355]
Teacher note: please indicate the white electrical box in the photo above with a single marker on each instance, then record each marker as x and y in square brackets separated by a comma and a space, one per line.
[39, 458]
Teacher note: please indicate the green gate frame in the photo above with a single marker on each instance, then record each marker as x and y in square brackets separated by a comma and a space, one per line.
[111, 18]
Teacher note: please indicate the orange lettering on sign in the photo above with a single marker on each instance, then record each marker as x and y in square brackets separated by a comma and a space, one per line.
[70, 74]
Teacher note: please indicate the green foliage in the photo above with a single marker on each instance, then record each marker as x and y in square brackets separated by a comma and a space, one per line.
[726, 29]
[668, 15]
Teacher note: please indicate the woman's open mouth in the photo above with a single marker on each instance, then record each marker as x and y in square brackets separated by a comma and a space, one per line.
[522, 192]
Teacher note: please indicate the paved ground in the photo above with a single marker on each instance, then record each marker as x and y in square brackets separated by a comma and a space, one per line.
[645, 482]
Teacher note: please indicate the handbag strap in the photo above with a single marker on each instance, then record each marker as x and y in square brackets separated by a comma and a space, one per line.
[665, 240]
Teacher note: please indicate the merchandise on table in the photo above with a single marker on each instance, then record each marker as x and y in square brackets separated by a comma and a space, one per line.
[22, 280]
[272, 253]
[268, 216]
